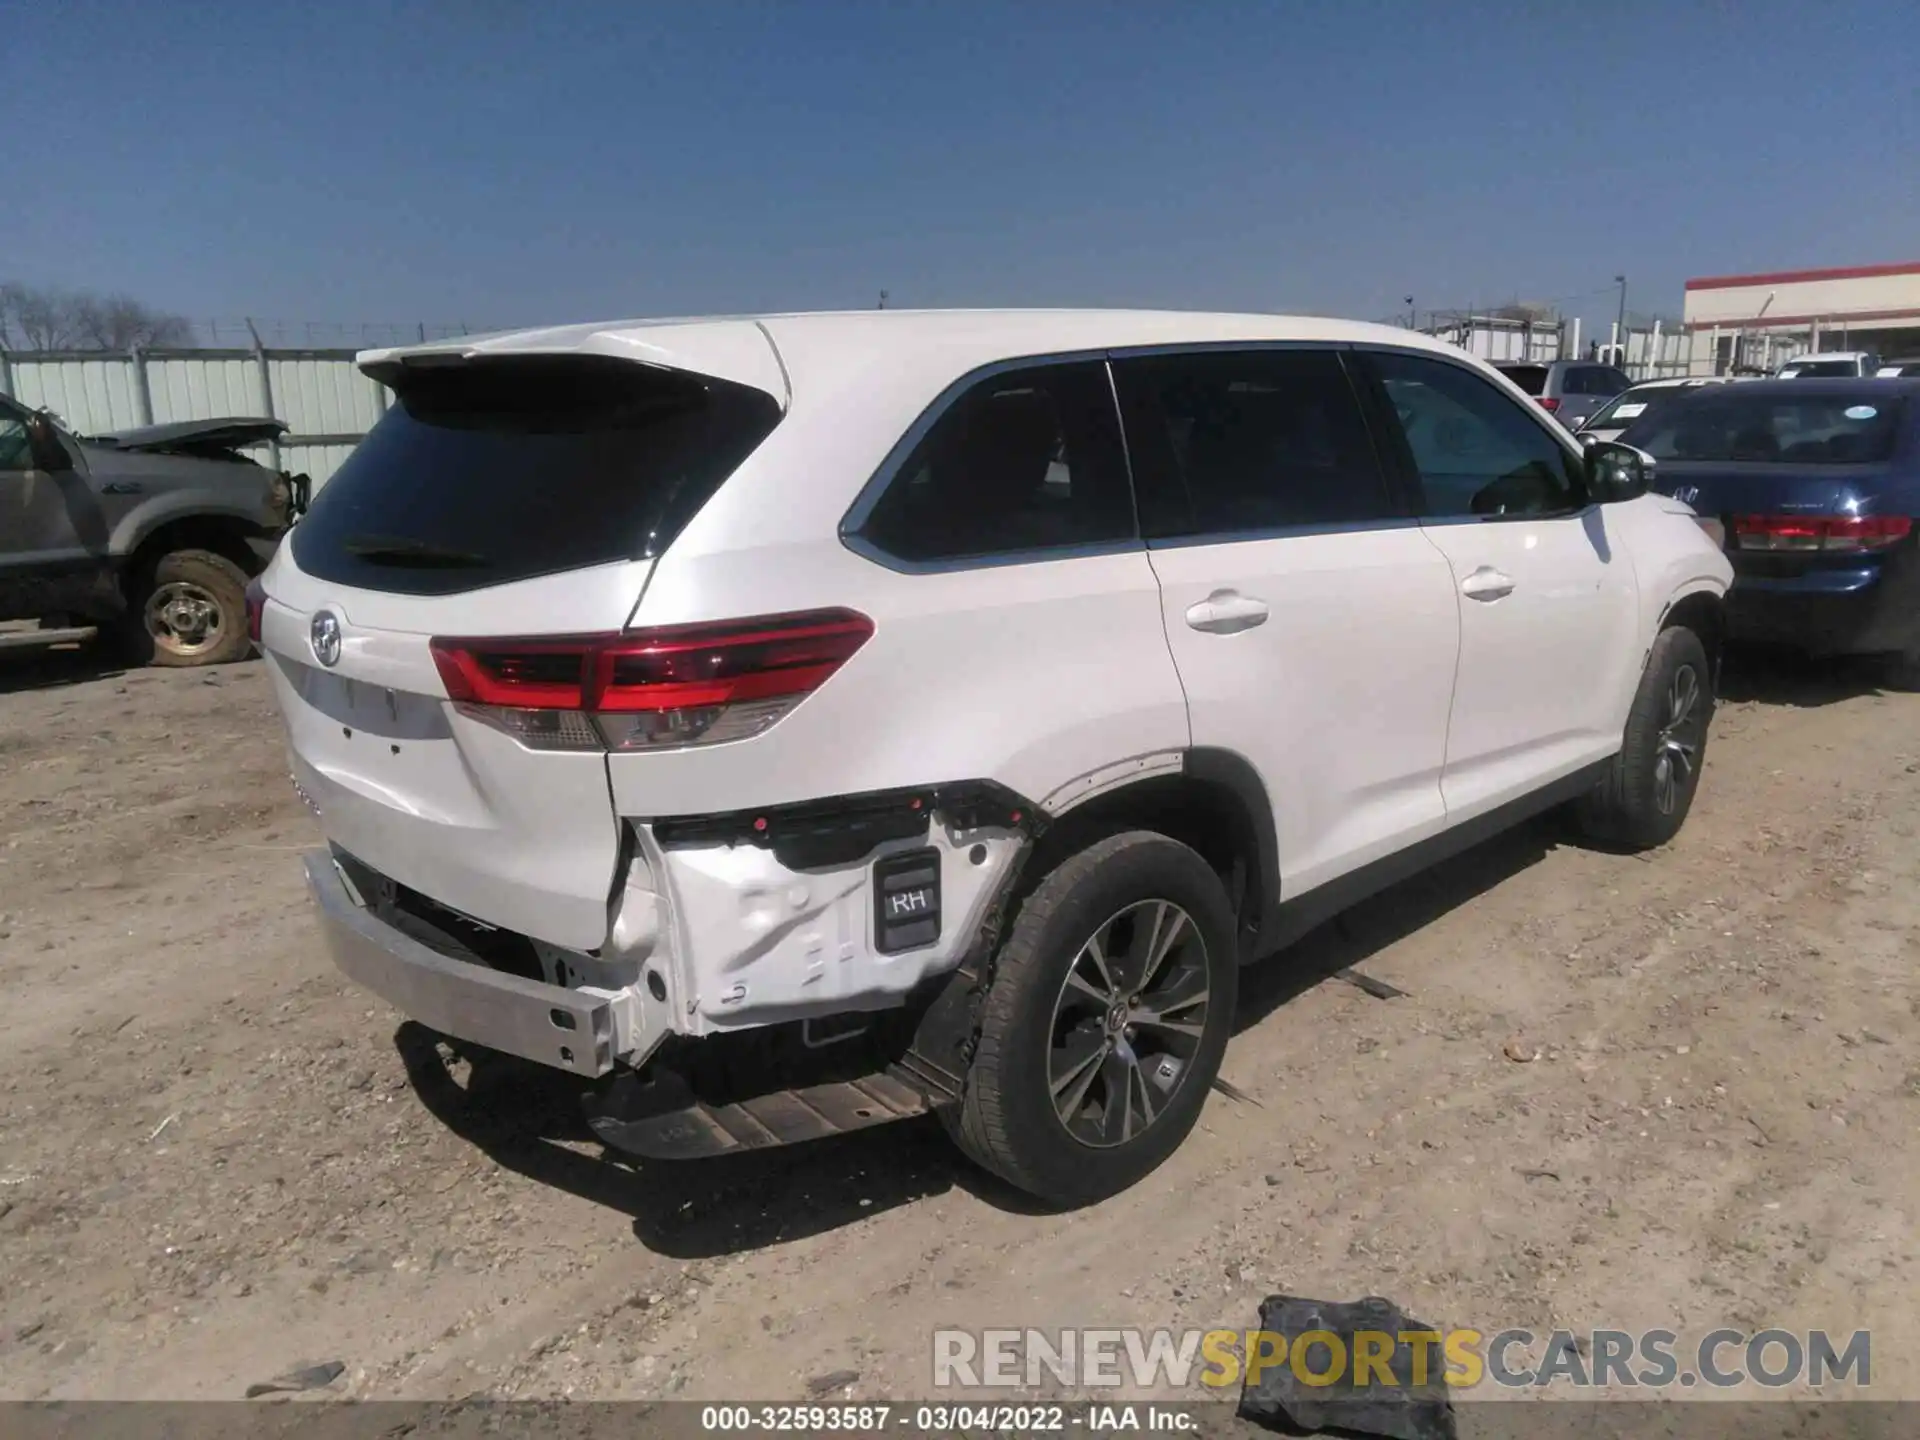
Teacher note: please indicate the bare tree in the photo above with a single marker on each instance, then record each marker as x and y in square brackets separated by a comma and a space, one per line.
[35, 318]
[31, 319]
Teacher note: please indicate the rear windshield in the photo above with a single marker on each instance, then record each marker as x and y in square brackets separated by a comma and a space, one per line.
[1820, 370]
[494, 470]
[1530, 378]
[1738, 426]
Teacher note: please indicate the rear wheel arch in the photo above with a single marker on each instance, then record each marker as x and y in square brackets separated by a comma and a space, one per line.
[1216, 805]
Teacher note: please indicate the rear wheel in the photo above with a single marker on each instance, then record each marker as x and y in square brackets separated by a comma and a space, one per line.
[1644, 800]
[189, 609]
[1108, 1013]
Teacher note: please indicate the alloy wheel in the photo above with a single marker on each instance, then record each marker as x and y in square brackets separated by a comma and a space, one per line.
[1127, 1023]
[1677, 751]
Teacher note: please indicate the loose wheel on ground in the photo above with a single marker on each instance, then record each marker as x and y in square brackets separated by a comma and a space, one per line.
[1104, 1025]
[190, 608]
[1645, 798]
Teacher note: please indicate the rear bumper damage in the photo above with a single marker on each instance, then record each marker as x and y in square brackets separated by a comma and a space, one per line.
[766, 978]
[550, 1024]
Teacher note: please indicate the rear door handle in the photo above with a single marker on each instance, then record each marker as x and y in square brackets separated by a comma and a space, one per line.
[1227, 612]
[1487, 583]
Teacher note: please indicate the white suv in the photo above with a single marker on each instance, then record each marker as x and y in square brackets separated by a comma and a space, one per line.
[793, 724]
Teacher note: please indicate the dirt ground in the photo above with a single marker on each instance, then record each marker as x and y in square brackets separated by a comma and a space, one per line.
[219, 1161]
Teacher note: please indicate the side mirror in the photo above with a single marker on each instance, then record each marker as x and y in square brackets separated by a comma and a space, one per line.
[1617, 472]
[48, 452]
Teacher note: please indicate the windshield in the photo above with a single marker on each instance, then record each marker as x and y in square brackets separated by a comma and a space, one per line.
[1631, 405]
[1820, 370]
[1530, 378]
[1728, 425]
[503, 469]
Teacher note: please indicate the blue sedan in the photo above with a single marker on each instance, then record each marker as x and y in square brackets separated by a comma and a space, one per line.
[1817, 483]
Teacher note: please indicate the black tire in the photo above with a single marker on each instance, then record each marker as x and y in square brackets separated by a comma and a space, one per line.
[1032, 1022]
[209, 588]
[1644, 800]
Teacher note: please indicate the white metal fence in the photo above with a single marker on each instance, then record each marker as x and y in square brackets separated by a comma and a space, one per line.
[1657, 350]
[327, 404]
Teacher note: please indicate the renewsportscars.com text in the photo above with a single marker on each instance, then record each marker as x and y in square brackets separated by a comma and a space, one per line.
[1458, 1359]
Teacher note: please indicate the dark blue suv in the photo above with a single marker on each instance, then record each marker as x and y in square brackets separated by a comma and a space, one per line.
[1818, 484]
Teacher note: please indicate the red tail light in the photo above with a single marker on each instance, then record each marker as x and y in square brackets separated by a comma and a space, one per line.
[256, 608]
[1548, 402]
[1826, 533]
[649, 689]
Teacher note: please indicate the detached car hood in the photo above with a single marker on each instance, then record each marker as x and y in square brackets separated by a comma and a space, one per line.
[193, 437]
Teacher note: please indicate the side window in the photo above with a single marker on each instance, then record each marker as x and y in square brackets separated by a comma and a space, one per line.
[1475, 452]
[1248, 441]
[1029, 460]
[16, 448]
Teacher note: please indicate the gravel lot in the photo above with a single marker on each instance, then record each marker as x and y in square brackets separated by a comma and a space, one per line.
[218, 1161]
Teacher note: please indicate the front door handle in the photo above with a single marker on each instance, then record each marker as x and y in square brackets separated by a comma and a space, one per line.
[1227, 612]
[1487, 583]
[122, 487]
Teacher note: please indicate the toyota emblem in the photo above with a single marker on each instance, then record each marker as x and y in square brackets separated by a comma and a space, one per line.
[325, 636]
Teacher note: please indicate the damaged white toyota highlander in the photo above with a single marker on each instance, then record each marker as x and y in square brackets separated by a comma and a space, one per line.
[794, 724]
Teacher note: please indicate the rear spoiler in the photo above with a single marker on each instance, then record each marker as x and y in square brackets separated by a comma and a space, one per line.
[735, 350]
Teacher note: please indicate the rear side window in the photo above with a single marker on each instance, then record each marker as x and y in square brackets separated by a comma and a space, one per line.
[1024, 462]
[1530, 378]
[1595, 380]
[1243, 442]
[494, 470]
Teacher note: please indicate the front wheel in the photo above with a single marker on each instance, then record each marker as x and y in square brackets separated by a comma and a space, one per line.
[1105, 1022]
[189, 609]
[1644, 800]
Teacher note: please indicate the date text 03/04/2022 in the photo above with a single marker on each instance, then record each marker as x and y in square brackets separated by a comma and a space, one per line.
[939, 1419]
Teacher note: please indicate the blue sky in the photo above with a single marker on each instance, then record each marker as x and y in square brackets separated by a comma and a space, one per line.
[506, 163]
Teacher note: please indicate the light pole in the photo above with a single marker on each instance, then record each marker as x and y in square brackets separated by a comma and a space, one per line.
[1413, 315]
[1620, 326]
